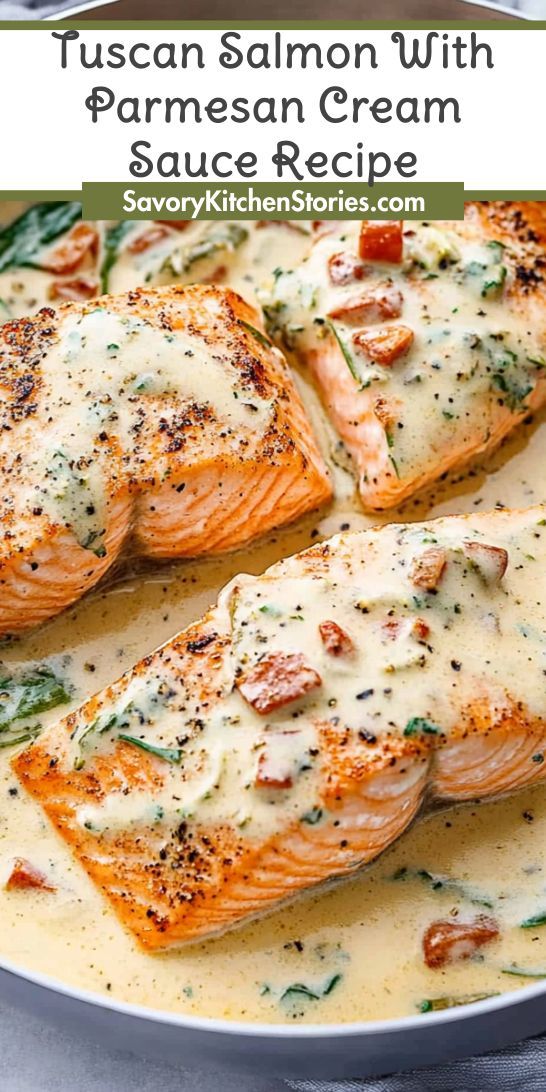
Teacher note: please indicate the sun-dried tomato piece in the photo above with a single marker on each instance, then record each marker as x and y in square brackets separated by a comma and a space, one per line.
[413, 627]
[427, 568]
[149, 238]
[381, 240]
[77, 288]
[490, 561]
[452, 941]
[385, 412]
[386, 345]
[81, 240]
[344, 268]
[278, 680]
[178, 225]
[25, 875]
[372, 305]
[335, 640]
[277, 764]
[420, 630]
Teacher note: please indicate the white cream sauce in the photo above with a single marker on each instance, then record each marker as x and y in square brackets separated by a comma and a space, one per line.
[462, 359]
[356, 947]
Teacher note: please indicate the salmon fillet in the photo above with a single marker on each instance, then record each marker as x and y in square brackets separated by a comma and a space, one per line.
[164, 415]
[296, 730]
[427, 341]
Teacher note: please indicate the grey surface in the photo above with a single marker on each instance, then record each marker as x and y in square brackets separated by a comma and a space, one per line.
[35, 1057]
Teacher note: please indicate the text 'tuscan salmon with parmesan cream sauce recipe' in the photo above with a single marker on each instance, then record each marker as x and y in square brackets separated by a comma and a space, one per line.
[187, 408]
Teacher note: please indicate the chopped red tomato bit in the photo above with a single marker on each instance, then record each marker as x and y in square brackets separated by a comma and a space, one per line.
[373, 305]
[24, 875]
[491, 561]
[278, 680]
[178, 225]
[81, 240]
[77, 288]
[420, 630]
[335, 640]
[381, 240]
[385, 412]
[427, 568]
[386, 345]
[276, 767]
[149, 238]
[345, 268]
[414, 627]
[451, 941]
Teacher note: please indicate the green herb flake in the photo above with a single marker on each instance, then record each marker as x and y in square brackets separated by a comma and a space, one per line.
[437, 1004]
[311, 993]
[269, 609]
[169, 754]
[345, 352]
[30, 734]
[534, 921]
[312, 817]
[113, 239]
[443, 883]
[523, 972]
[420, 726]
[261, 337]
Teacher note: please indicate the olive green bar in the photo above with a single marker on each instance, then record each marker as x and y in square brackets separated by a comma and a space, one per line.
[76, 195]
[416, 24]
[257, 200]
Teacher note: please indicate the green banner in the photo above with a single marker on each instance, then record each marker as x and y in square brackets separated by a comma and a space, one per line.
[272, 200]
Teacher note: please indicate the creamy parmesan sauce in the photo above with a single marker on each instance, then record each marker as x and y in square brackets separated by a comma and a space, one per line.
[462, 360]
[355, 948]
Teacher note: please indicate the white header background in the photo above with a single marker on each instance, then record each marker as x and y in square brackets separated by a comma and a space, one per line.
[50, 142]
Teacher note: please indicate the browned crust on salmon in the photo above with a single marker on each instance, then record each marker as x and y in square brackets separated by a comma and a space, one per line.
[185, 486]
[175, 883]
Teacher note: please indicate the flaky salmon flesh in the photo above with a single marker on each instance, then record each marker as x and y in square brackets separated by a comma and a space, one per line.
[295, 732]
[427, 340]
[164, 416]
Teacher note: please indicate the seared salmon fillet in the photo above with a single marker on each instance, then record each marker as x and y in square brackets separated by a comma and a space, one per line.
[291, 735]
[427, 340]
[164, 415]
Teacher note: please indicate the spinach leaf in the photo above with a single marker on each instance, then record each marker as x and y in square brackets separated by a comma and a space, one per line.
[523, 972]
[263, 340]
[22, 241]
[217, 238]
[534, 921]
[444, 883]
[111, 248]
[345, 352]
[311, 993]
[436, 1004]
[11, 740]
[33, 692]
[170, 754]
